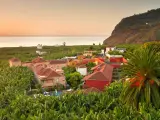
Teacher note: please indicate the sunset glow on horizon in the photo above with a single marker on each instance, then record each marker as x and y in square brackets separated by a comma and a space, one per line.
[66, 17]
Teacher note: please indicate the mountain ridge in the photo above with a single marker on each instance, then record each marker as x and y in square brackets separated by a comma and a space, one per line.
[136, 29]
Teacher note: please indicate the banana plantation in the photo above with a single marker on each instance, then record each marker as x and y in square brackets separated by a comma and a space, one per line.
[136, 97]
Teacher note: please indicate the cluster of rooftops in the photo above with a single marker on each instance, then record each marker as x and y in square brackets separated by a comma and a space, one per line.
[50, 73]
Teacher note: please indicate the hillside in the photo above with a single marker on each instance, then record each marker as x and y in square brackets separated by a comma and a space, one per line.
[136, 29]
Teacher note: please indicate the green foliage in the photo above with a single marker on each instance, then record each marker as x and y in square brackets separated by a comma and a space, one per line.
[115, 89]
[91, 48]
[106, 105]
[158, 34]
[151, 17]
[69, 69]
[58, 87]
[74, 79]
[93, 106]
[144, 73]
[89, 66]
[153, 45]
[130, 48]
[13, 81]
[39, 88]
[115, 53]
[29, 53]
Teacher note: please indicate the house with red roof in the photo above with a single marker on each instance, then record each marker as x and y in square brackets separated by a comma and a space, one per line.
[58, 64]
[38, 60]
[100, 78]
[117, 61]
[48, 77]
[15, 62]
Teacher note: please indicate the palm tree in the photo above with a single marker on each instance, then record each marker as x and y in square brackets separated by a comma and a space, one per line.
[143, 72]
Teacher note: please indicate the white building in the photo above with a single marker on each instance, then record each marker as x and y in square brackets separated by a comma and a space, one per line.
[40, 52]
[82, 69]
[110, 49]
[72, 57]
[39, 46]
[121, 50]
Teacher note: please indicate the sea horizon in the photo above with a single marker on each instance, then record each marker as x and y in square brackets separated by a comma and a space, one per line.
[30, 41]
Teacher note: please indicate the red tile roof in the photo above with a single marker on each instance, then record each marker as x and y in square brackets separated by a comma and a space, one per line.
[95, 76]
[38, 60]
[47, 73]
[53, 74]
[58, 62]
[39, 70]
[40, 65]
[104, 72]
[118, 60]
[86, 61]
[100, 60]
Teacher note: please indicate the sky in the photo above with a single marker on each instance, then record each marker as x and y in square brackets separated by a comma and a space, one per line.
[67, 17]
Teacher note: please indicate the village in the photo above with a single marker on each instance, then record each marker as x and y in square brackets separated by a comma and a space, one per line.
[94, 72]
[80, 60]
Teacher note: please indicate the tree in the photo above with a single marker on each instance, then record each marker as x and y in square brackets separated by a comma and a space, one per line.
[69, 69]
[143, 71]
[91, 48]
[155, 45]
[64, 43]
[13, 81]
[39, 88]
[89, 66]
[74, 79]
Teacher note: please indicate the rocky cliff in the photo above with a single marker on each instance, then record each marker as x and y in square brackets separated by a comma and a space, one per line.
[139, 28]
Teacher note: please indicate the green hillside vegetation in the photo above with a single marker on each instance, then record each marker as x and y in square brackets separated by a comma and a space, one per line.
[28, 53]
[138, 28]
[134, 99]
[151, 17]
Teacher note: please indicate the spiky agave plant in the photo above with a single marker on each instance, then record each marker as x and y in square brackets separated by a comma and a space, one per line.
[143, 71]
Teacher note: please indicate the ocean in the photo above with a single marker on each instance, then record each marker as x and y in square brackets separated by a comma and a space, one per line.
[50, 41]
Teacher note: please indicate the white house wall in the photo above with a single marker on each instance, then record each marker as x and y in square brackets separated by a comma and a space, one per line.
[82, 71]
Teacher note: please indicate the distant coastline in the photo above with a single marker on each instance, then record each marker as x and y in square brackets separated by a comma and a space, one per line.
[28, 41]
[53, 35]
